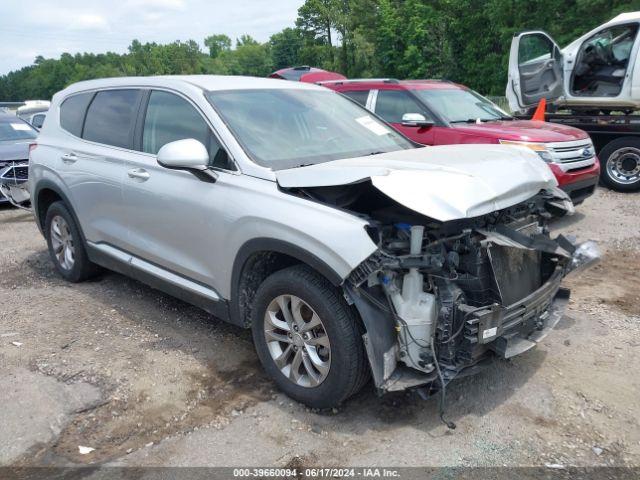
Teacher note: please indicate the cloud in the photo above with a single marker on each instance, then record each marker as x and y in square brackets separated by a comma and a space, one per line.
[89, 21]
[68, 18]
[160, 4]
[50, 28]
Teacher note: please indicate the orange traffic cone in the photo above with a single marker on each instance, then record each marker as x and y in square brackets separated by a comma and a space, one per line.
[539, 113]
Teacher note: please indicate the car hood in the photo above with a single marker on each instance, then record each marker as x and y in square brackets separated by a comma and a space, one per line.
[524, 130]
[444, 183]
[14, 151]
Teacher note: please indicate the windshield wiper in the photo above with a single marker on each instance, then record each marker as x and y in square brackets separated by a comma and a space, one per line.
[468, 120]
[476, 120]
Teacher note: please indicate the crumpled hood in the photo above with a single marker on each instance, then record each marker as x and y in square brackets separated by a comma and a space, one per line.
[444, 183]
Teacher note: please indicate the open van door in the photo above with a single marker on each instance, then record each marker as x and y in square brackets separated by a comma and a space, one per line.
[535, 71]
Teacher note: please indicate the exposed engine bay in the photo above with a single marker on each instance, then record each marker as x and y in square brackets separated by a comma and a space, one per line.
[440, 298]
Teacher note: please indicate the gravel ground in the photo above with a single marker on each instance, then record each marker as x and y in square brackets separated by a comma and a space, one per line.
[144, 379]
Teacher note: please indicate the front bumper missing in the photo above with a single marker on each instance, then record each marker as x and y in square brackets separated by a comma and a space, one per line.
[514, 329]
[506, 330]
[512, 336]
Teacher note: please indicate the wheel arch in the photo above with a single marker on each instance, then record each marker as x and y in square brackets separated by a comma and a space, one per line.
[44, 194]
[256, 260]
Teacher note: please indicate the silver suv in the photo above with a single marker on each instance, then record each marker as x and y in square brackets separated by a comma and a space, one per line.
[290, 209]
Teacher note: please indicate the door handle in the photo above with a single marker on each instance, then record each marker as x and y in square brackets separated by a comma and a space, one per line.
[139, 174]
[69, 158]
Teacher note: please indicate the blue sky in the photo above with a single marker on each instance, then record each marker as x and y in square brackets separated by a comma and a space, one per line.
[50, 27]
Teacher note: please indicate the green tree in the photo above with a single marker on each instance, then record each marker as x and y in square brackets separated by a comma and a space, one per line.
[246, 40]
[467, 41]
[285, 47]
[217, 44]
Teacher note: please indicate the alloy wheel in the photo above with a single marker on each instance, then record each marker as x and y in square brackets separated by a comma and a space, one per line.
[297, 341]
[62, 242]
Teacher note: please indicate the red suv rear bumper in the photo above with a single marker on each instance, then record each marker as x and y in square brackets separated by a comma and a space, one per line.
[578, 184]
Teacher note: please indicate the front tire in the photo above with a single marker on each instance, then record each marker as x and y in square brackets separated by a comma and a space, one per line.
[66, 247]
[621, 165]
[308, 339]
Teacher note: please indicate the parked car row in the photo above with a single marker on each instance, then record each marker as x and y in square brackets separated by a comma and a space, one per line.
[349, 250]
[15, 137]
[18, 129]
[34, 112]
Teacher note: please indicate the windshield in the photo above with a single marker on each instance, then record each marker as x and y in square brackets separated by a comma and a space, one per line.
[457, 105]
[16, 129]
[290, 128]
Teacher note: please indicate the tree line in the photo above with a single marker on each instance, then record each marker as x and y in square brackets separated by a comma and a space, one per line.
[466, 41]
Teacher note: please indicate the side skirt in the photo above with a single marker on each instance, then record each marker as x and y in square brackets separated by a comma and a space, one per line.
[187, 290]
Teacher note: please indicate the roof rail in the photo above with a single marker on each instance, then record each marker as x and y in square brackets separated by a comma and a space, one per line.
[361, 80]
[423, 80]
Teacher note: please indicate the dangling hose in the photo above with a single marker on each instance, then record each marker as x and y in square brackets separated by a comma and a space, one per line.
[443, 392]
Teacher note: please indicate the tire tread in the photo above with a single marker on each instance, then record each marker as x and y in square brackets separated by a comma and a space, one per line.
[356, 375]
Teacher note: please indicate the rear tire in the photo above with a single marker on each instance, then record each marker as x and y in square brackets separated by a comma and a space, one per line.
[620, 161]
[66, 247]
[343, 368]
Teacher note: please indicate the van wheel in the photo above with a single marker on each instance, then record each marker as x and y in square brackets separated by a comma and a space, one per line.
[66, 247]
[621, 164]
[308, 339]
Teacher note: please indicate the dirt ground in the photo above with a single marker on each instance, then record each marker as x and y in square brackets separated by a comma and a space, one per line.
[144, 379]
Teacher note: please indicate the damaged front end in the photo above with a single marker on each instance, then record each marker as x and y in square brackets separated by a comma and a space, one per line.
[464, 268]
[440, 298]
[14, 185]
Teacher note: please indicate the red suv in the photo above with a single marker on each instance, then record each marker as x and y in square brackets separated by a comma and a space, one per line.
[434, 112]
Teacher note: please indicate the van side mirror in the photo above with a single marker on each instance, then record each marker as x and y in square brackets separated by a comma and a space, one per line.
[188, 154]
[416, 120]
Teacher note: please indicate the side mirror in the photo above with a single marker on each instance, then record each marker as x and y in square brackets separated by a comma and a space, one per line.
[188, 154]
[416, 120]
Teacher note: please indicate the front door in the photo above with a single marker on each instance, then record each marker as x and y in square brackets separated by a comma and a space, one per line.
[392, 105]
[176, 220]
[535, 71]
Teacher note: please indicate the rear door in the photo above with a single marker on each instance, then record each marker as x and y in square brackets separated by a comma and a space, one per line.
[93, 164]
[535, 71]
[360, 96]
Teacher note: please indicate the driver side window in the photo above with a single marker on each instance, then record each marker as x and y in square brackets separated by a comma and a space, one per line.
[170, 118]
[391, 105]
[534, 47]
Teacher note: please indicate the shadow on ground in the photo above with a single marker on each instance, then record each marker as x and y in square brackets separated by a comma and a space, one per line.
[229, 378]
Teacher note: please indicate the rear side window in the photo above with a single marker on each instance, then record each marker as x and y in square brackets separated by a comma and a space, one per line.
[111, 117]
[393, 104]
[170, 118]
[359, 96]
[72, 112]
